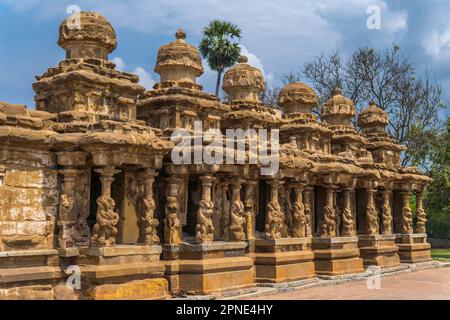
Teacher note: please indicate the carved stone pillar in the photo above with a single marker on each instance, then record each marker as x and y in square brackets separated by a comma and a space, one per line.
[249, 209]
[337, 214]
[307, 197]
[172, 225]
[225, 219]
[146, 209]
[105, 230]
[348, 220]
[298, 213]
[275, 217]
[204, 227]
[68, 235]
[420, 213]
[386, 212]
[237, 219]
[328, 227]
[371, 213]
[406, 218]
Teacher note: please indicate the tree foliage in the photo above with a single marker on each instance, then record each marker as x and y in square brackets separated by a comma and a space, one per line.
[437, 198]
[219, 47]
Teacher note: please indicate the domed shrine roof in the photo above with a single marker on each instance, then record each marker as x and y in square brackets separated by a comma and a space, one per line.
[92, 32]
[297, 97]
[373, 118]
[338, 110]
[243, 82]
[179, 55]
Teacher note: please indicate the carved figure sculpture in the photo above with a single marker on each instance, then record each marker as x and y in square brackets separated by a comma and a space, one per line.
[237, 221]
[348, 223]
[105, 230]
[204, 227]
[406, 220]
[299, 220]
[328, 225]
[421, 221]
[274, 221]
[372, 220]
[386, 215]
[172, 222]
[148, 233]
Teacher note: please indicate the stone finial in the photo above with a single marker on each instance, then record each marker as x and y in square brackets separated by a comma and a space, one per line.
[243, 59]
[373, 119]
[179, 61]
[297, 98]
[180, 34]
[338, 110]
[243, 82]
[88, 35]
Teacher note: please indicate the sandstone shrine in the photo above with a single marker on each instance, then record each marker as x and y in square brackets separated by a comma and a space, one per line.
[87, 183]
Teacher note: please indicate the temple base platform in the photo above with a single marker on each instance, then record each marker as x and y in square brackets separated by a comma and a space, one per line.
[337, 256]
[379, 250]
[29, 274]
[413, 248]
[283, 260]
[208, 268]
[122, 272]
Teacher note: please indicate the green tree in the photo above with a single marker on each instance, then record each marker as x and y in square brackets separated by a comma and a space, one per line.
[437, 198]
[219, 47]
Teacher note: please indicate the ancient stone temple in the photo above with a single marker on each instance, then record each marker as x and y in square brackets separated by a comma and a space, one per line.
[91, 182]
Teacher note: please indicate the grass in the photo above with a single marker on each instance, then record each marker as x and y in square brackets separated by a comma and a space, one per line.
[440, 254]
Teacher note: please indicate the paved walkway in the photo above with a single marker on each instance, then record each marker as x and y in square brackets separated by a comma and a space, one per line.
[424, 284]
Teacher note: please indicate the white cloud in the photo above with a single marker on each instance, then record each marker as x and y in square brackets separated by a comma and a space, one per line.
[284, 33]
[120, 64]
[256, 62]
[145, 78]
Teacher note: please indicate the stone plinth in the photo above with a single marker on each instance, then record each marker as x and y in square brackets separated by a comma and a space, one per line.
[28, 274]
[209, 268]
[413, 248]
[379, 250]
[283, 260]
[122, 272]
[337, 256]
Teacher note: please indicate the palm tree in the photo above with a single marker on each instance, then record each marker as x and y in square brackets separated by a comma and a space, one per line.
[218, 48]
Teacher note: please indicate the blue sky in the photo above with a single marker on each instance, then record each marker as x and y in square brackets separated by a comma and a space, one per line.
[278, 36]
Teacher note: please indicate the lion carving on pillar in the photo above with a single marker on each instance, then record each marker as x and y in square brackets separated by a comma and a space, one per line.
[204, 227]
[105, 230]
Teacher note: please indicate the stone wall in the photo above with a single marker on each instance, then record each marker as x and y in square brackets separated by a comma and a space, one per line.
[30, 196]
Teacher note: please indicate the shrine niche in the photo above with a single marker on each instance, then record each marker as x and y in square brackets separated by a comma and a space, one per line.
[87, 178]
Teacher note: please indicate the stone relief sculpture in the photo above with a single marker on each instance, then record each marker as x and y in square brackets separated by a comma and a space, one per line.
[372, 220]
[337, 215]
[148, 224]
[105, 231]
[172, 226]
[299, 218]
[386, 214]
[237, 221]
[274, 221]
[67, 233]
[421, 221]
[407, 220]
[328, 225]
[204, 228]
